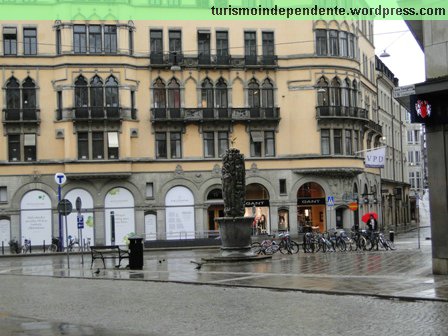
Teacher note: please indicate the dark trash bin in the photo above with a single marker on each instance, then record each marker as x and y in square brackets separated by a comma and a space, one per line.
[135, 253]
[391, 236]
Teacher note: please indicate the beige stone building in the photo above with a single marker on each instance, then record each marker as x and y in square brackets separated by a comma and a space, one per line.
[137, 115]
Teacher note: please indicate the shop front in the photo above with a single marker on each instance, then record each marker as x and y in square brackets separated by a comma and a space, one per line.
[311, 207]
[257, 205]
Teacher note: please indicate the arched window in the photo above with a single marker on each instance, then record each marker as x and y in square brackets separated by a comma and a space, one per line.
[159, 94]
[207, 94]
[173, 94]
[81, 92]
[13, 94]
[111, 92]
[335, 92]
[28, 94]
[221, 94]
[267, 94]
[322, 92]
[253, 94]
[96, 92]
[346, 92]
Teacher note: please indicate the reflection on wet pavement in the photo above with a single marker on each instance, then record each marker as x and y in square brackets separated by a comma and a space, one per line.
[23, 326]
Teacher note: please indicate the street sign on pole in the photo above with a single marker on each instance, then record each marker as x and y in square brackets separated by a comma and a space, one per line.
[65, 207]
[60, 178]
[80, 221]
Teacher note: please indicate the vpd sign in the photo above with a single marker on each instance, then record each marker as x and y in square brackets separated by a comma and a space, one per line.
[375, 158]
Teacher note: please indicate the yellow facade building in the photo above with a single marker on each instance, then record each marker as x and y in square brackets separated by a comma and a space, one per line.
[137, 115]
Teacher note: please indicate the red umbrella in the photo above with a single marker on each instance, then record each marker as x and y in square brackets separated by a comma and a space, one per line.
[365, 218]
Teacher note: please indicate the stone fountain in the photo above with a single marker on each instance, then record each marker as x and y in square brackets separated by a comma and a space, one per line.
[235, 229]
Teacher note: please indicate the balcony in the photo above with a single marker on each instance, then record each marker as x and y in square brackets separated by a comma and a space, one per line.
[166, 59]
[374, 126]
[26, 115]
[96, 113]
[215, 114]
[260, 60]
[325, 112]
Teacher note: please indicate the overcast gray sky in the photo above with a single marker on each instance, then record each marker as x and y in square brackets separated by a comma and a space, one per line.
[406, 59]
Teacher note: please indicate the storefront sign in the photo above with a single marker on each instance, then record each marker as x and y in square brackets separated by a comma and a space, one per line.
[179, 202]
[5, 231]
[257, 203]
[311, 201]
[87, 205]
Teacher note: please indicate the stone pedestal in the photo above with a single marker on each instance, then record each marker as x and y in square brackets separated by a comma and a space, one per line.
[236, 236]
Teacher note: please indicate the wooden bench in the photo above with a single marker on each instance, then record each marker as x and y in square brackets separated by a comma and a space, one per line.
[108, 252]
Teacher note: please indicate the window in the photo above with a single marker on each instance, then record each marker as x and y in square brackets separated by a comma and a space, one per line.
[98, 145]
[111, 91]
[322, 92]
[343, 43]
[221, 100]
[159, 94]
[348, 142]
[22, 147]
[410, 139]
[223, 143]
[282, 183]
[131, 41]
[96, 96]
[100, 39]
[204, 47]
[267, 94]
[95, 45]
[29, 41]
[417, 180]
[149, 190]
[250, 48]
[268, 45]
[321, 42]
[334, 43]
[156, 42]
[80, 39]
[81, 92]
[337, 141]
[269, 143]
[253, 94]
[175, 41]
[411, 179]
[351, 46]
[3, 195]
[417, 136]
[173, 94]
[110, 39]
[112, 145]
[346, 93]
[161, 146]
[335, 92]
[59, 105]
[222, 45]
[20, 98]
[207, 94]
[411, 157]
[417, 157]
[325, 141]
[9, 41]
[133, 108]
[175, 145]
[209, 144]
[58, 41]
[355, 142]
[262, 143]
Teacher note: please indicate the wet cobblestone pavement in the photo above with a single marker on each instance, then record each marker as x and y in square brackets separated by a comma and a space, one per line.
[404, 274]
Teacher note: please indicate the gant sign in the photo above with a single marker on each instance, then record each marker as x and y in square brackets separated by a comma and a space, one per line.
[311, 201]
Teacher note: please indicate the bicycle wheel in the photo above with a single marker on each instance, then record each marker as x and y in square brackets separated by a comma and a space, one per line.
[53, 248]
[342, 246]
[256, 247]
[294, 247]
[362, 243]
[391, 244]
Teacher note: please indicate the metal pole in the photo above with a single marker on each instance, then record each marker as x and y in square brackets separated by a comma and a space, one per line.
[61, 242]
[66, 238]
[418, 220]
[81, 246]
[112, 228]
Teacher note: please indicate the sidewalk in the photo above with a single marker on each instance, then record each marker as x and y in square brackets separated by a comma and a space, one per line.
[404, 273]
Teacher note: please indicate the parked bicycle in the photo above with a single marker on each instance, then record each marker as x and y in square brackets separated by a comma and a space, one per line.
[14, 246]
[54, 245]
[26, 246]
[267, 246]
[287, 245]
[73, 244]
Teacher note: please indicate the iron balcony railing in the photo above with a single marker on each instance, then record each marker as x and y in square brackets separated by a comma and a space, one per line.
[341, 112]
[21, 115]
[215, 114]
[92, 112]
[209, 60]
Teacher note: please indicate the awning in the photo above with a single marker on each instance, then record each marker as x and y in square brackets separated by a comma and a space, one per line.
[112, 138]
[256, 136]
